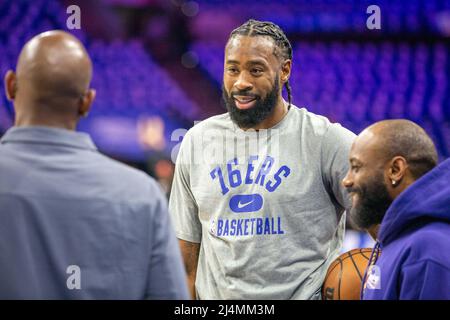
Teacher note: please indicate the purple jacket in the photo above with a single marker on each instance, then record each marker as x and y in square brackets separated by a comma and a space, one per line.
[414, 238]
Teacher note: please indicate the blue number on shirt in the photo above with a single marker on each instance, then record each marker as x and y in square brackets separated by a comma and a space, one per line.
[217, 172]
[234, 176]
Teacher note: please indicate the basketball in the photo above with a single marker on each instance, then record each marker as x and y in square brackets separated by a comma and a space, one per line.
[344, 277]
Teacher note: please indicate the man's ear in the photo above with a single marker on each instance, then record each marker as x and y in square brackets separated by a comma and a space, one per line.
[86, 102]
[286, 70]
[10, 85]
[397, 169]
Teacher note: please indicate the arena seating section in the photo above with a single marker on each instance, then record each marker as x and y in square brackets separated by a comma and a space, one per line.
[359, 83]
[350, 80]
[337, 16]
[129, 83]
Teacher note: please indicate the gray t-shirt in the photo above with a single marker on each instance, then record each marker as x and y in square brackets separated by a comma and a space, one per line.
[267, 206]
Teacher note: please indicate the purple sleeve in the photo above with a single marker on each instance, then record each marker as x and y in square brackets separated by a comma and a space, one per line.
[425, 280]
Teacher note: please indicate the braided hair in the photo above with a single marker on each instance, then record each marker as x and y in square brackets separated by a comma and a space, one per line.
[265, 28]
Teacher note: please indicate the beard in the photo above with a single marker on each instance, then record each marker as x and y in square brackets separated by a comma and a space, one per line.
[260, 111]
[373, 202]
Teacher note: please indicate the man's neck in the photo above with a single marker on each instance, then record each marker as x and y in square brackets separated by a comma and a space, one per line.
[373, 231]
[27, 121]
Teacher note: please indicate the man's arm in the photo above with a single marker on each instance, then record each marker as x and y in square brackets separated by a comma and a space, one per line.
[335, 150]
[184, 211]
[190, 252]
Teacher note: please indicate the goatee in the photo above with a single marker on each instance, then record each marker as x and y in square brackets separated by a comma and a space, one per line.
[373, 202]
[249, 118]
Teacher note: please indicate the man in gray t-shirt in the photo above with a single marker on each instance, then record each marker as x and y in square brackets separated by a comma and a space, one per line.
[257, 201]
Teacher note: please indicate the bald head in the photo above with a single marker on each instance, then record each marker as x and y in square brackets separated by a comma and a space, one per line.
[385, 159]
[391, 138]
[52, 80]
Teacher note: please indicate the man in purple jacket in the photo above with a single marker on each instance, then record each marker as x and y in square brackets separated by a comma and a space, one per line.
[393, 180]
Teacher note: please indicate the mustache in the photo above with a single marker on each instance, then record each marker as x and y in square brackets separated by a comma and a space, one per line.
[353, 190]
[243, 94]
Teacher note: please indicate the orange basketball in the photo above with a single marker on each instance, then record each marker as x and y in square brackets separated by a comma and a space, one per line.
[344, 277]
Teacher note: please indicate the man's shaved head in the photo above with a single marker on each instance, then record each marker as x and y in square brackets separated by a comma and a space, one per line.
[406, 139]
[385, 159]
[51, 84]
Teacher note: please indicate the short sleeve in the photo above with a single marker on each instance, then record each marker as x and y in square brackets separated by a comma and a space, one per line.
[182, 205]
[335, 150]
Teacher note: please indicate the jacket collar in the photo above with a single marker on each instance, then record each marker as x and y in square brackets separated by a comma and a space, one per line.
[48, 135]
